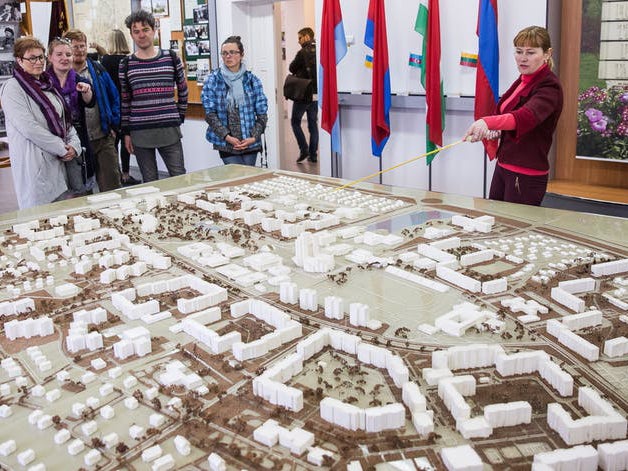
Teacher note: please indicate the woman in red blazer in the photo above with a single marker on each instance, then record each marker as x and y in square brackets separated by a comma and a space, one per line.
[520, 132]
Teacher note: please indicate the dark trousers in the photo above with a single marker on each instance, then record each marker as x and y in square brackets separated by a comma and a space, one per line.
[107, 168]
[298, 109]
[172, 156]
[517, 188]
[125, 157]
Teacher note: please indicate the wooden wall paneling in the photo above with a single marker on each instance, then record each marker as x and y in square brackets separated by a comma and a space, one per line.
[568, 168]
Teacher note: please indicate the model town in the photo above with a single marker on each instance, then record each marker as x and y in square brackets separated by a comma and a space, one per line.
[281, 323]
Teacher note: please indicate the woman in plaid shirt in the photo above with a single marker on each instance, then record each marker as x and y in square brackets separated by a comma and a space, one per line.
[235, 107]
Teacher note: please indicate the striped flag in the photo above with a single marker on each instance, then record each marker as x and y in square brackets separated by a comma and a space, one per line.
[368, 61]
[468, 59]
[333, 47]
[487, 73]
[428, 25]
[376, 39]
[415, 60]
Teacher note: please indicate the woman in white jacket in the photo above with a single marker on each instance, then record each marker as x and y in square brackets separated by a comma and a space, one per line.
[39, 130]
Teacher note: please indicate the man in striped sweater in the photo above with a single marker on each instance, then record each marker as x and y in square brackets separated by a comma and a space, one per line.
[151, 118]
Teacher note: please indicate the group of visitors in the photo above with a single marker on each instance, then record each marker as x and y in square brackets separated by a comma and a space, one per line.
[66, 113]
[65, 121]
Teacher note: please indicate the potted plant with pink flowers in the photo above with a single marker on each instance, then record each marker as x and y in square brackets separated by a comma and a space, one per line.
[603, 123]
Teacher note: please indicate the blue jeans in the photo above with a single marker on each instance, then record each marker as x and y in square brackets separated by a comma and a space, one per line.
[242, 159]
[172, 156]
[298, 109]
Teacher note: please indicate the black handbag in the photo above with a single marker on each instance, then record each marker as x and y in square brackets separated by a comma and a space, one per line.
[296, 88]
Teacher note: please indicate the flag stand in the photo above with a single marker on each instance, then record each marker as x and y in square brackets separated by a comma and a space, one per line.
[484, 180]
[336, 165]
[429, 177]
[336, 162]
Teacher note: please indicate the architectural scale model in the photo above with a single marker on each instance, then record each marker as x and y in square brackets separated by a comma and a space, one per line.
[274, 322]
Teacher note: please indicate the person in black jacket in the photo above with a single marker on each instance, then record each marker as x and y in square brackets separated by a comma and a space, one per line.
[304, 66]
[110, 60]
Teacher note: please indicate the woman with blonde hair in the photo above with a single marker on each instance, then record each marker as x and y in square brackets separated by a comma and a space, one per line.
[118, 48]
[39, 128]
[520, 131]
[77, 93]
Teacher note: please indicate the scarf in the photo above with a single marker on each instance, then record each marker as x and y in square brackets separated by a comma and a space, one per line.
[68, 92]
[35, 89]
[235, 94]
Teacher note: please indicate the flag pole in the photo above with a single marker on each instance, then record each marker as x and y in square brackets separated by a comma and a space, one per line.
[440, 149]
[380, 169]
[484, 180]
[429, 177]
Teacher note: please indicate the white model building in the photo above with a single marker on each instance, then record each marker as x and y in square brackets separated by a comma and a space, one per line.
[566, 291]
[610, 268]
[94, 316]
[309, 256]
[461, 458]
[418, 279]
[583, 457]
[429, 251]
[531, 308]
[40, 327]
[135, 341]
[613, 456]
[572, 340]
[508, 414]
[602, 423]
[359, 314]
[616, 347]
[308, 300]
[11, 308]
[413, 398]
[286, 329]
[463, 281]
[216, 462]
[334, 307]
[464, 316]
[466, 356]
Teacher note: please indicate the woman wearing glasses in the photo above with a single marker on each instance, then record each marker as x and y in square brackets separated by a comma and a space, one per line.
[235, 107]
[39, 129]
[77, 93]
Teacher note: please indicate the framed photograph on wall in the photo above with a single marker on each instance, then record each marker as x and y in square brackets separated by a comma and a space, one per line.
[156, 7]
[196, 31]
[10, 17]
[603, 88]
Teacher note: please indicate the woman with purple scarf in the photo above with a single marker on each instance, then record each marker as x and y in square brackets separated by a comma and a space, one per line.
[39, 129]
[77, 93]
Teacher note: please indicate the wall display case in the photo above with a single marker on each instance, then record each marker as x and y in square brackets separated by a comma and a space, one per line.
[197, 49]
[10, 17]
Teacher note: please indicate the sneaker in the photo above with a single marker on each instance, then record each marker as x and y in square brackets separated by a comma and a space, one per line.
[129, 181]
[302, 157]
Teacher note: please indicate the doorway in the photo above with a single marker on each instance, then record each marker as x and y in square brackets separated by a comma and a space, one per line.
[290, 17]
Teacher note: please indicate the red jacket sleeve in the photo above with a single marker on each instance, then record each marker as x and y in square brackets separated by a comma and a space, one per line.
[539, 106]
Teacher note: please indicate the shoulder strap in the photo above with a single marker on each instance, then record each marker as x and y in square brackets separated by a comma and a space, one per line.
[125, 67]
[173, 57]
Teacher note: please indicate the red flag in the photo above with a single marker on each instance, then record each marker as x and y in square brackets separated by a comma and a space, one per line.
[376, 38]
[428, 25]
[333, 48]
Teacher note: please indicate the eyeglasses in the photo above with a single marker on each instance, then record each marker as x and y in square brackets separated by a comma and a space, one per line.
[35, 59]
[229, 53]
[63, 40]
